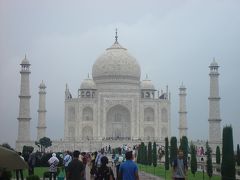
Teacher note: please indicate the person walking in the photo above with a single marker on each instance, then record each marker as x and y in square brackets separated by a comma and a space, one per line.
[128, 170]
[179, 167]
[98, 158]
[53, 162]
[31, 163]
[118, 159]
[104, 172]
[19, 171]
[66, 160]
[75, 168]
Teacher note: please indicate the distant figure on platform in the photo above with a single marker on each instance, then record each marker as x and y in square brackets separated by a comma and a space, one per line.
[128, 170]
[53, 162]
[75, 168]
[179, 167]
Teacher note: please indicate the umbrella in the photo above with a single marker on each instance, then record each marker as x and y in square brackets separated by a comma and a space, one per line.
[11, 160]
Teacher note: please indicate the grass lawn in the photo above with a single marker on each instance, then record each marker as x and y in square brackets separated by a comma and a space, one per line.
[160, 171]
[37, 171]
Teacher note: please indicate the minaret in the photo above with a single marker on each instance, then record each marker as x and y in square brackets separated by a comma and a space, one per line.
[24, 105]
[41, 128]
[214, 106]
[182, 112]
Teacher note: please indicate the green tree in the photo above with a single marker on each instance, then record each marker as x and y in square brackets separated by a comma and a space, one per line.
[218, 155]
[173, 149]
[184, 147]
[154, 154]
[145, 155]
[166, 154]
[193, 159]
[43, 143]
[228, 162]
[149, 153]
[209, 161]
[238, 155]
[6, 145]
[140, 153]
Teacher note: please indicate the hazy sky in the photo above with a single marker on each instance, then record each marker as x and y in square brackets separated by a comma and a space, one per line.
[173, 41]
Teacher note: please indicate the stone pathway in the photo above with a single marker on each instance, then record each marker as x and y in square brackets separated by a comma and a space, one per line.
[142, 175]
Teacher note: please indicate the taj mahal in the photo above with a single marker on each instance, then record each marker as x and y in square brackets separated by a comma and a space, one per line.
[114, 107]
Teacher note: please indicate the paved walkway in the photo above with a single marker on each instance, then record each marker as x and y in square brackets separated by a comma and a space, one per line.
[147, 176]
[142, 175]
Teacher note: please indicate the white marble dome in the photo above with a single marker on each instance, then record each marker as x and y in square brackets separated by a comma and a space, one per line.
[116, 64]
[25, 61]
[147, 84]
[214, 63]
[42, 85]
[88, 84]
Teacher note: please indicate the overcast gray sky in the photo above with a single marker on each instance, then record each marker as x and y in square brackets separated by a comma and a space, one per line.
[173, 41]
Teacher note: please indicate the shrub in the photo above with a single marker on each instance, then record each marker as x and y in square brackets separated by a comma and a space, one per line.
[228, 162]
[193, 159]
[173, 149]
[149, 155]
[166, 154]
[33, 177]
[6, 175]
[209, 161]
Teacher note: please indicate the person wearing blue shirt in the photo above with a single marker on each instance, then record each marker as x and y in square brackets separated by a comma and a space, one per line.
[128, 170]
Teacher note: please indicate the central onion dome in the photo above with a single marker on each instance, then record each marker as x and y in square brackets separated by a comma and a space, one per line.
[116, 65]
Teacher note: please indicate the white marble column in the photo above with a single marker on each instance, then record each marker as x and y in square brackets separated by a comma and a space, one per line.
[24, 105]
[41, 128]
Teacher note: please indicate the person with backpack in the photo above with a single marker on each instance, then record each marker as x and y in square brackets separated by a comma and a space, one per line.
[66, 160]
[179, 167]
[53, 162]
[75, 168]
[31, 163]
[98, 158]
[104, 172]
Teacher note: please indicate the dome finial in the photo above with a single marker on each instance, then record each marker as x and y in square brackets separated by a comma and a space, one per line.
[116, 36]
[88, 75]
[25, 57]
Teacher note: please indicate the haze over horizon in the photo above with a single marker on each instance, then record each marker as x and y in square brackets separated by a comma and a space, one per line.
[173, 41]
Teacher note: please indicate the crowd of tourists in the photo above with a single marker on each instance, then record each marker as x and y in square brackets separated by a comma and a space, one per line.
[102, 165]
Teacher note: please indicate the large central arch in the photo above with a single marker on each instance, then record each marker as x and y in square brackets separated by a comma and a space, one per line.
[118, 123]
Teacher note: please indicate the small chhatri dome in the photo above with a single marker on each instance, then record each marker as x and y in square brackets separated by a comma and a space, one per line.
[42, 85]
[214, 63]
[116, 64]
[88, 84]
[182, 86]
[25, 61]
[147, 84]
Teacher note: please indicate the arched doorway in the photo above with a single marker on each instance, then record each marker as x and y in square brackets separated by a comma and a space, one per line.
[118, 123]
